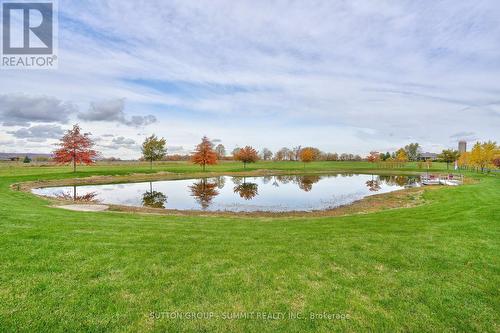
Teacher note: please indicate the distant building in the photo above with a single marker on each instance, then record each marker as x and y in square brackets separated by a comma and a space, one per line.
[428, 156]
[462, 146]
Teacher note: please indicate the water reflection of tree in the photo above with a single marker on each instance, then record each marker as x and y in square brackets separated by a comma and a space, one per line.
[412, 181]
[237, 180]
[88, 197]
[204, 191]
[153, 199]
[401, 180]
[306, 182]
[220, 181]
[276, 183]
[373, 185]
[343, 175]
[266, 179]
[285, 179]
[246, 190]
[396, 180]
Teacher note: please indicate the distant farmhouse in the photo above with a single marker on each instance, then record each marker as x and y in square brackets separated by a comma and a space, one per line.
[428, 156]
[462, 148]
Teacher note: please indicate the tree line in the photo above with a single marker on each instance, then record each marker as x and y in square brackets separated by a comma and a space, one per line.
[76, 147]
[205, 153]
[283, 154]
[484, 155]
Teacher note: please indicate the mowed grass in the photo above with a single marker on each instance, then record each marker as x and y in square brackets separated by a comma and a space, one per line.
[435, 267]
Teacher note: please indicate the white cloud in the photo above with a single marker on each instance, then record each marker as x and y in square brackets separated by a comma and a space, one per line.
[119, 142]
[22, 109]
[38, 133]
[113, 111]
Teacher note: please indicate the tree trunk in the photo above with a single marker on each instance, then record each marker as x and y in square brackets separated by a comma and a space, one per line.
[203, 166]
[74, 160]
[151, 164]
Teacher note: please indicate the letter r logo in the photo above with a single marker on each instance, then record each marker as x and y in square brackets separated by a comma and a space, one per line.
[27, 28]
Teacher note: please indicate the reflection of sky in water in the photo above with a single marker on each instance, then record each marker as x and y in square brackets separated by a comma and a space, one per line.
[273, 193]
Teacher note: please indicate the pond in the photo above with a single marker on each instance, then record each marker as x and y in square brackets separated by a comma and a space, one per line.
[283, 193]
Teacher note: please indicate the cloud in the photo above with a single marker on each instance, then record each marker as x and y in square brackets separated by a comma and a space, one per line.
[38, 133]
[467, 136]
[6, 142]
[141, 120]
[121, 142]
[460, 135]
[21, 110]
[113, 111]
[175, 149]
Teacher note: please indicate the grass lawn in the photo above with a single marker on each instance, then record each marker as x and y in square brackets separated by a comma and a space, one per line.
[435, 267]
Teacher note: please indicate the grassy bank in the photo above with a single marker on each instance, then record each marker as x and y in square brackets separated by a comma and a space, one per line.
[429, 268]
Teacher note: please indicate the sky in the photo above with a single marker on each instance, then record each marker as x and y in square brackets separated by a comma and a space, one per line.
[344, 76]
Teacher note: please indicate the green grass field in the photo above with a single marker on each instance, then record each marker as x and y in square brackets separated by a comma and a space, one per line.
[435, 267]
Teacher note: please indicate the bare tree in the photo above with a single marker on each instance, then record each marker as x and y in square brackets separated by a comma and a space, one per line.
[296, 153]
[282, 154]
[221, 151]
[235, 152]
[266, 154]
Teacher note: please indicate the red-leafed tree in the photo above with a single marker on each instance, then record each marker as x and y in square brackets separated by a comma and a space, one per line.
[496, 161]
[373, 157]
[204, 153]
[76, 148]
[246, 155]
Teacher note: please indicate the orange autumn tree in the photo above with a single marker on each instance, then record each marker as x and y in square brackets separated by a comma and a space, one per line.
[308, 155]
[246, 155]
[76, 148]
[204, 192]
[204, 153]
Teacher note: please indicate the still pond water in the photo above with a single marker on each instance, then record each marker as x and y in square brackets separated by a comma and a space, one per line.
[239, 194]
